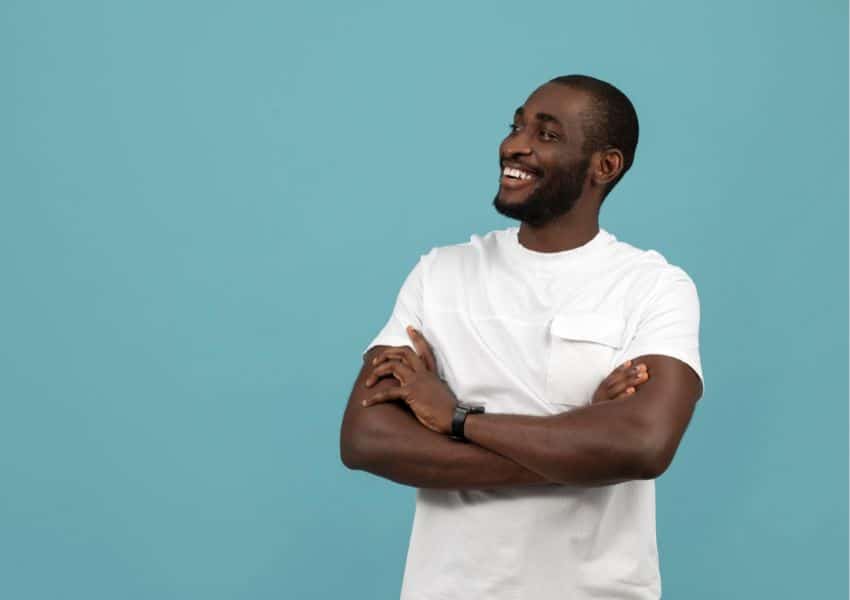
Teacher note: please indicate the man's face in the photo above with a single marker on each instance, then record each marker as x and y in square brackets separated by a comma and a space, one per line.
[543, 167]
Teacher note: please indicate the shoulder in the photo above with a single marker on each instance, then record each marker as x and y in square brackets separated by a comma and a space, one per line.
[648, 267]
[464, 257]
[477, 245]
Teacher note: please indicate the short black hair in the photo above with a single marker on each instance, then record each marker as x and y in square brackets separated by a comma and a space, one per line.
[610, 122]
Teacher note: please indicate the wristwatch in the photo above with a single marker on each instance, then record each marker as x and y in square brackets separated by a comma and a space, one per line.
[459, 419]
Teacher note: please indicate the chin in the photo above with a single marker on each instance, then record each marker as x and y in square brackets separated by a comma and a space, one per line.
[507, 198]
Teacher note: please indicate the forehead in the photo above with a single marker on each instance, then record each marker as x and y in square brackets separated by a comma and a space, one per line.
[562, 102]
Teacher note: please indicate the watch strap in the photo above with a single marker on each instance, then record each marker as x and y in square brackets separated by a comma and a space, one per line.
[459, 419]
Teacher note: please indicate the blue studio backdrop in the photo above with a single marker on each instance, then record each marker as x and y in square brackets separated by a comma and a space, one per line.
[206, 212]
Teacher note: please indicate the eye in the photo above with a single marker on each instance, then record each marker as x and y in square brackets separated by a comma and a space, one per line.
[548, 136]
[513, 127]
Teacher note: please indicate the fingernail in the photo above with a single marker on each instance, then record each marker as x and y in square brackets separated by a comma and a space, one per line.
[364, 403]
[630, 390]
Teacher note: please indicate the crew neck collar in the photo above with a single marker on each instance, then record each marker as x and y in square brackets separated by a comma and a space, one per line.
[555, 260]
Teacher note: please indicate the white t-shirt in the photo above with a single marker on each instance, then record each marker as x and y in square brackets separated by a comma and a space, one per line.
[526, 332]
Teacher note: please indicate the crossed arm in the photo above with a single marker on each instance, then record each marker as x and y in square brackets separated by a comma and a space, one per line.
[387, 440]
[603, 443]
[599, 444]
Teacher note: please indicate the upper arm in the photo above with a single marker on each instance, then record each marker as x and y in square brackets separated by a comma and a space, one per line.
[361, 426]
[667, 341]
[669, 322]
[358, 422]
[665, 403]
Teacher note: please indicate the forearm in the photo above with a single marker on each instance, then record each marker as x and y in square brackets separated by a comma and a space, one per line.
[391, 443]
[598, 444]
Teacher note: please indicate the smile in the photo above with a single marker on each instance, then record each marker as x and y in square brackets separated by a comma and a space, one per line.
[514, 178]
[516, 173]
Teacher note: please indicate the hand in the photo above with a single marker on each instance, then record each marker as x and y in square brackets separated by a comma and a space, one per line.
[423, 349]
[398, 353]
[430, 399]
[622, 382]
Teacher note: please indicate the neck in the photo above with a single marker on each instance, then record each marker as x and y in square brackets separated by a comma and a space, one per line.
[564, 233]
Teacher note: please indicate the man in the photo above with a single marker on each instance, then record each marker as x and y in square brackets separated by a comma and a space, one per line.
[549, 492]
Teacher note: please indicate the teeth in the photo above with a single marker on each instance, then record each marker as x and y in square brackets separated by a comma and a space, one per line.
[516, 173]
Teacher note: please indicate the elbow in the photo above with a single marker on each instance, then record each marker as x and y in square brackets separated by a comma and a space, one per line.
[347, 455]
[355, 439]
[351, 451]
[359, 444]
[654, 458]
[651, 468]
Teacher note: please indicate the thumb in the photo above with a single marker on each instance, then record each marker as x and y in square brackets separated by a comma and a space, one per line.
[423, 348]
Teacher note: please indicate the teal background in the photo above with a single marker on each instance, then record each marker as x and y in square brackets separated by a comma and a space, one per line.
[207, 209]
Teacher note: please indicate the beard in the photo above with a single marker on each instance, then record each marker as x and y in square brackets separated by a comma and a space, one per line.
[555, 197]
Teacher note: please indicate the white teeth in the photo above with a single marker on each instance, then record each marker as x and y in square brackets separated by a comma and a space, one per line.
[517, 173]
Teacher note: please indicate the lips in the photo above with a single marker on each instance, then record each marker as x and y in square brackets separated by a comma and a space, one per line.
[516, 175]
[521, 166]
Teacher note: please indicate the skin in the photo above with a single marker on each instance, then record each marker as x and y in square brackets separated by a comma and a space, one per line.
[627, 437]
[388, 440]
[399, 411]
[552, 144]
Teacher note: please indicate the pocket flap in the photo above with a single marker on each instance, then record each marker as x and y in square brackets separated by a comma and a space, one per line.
[596, 327]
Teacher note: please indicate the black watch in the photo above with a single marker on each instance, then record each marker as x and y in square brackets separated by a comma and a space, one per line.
[459, 419]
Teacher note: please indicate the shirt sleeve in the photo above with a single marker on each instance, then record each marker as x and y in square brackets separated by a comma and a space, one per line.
[408, 310]
[670, 322]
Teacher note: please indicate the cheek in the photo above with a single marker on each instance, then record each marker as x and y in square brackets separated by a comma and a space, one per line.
[560, 165]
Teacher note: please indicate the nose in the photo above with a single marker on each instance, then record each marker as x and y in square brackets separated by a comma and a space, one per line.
[515, 145]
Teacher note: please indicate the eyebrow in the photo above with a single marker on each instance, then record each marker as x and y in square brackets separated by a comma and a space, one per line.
[541, 116]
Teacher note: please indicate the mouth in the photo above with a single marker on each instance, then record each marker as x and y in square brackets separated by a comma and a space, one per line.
[515, 176]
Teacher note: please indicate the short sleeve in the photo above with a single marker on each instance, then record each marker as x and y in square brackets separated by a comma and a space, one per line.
[407, 311]
[669, 324]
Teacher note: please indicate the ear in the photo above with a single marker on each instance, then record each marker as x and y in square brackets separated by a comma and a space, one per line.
[608, 164]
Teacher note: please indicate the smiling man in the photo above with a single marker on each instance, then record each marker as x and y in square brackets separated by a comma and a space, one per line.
[534, 381]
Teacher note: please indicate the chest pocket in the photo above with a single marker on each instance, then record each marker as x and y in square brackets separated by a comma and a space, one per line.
[581, 355]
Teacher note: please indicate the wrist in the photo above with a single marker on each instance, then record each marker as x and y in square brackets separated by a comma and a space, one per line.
[462, 413]
[472, 427]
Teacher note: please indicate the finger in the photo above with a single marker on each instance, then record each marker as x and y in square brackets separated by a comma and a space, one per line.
[372, 378]
[399, 356]
[621, 386]
[403, 373]
[387, 395]
[381, 370]
[423, 348]
[399, 370]
[625, 394]
[616, 389]
[381, 356]
[632, 380]
[407, 354]
[626, 374]
[613, 375]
